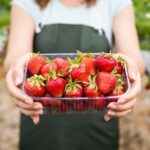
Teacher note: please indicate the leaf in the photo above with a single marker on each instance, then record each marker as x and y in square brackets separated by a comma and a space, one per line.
[79, 54]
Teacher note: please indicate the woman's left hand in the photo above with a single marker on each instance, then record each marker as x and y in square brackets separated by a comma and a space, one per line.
[126, 104]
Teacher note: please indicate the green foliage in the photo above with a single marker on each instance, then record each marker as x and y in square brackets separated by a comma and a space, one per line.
[142, 12]
[5, 4]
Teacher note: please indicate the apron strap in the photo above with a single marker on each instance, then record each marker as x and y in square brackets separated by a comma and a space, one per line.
[45, 16]
[96, 19]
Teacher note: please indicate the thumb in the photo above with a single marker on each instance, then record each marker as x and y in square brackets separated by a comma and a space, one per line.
[19, 68]
[36, 119]
[131, 67]
[18, 77]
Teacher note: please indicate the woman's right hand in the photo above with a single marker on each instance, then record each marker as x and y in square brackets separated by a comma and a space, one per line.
[14, 79]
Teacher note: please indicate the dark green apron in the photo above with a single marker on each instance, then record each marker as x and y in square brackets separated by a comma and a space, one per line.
[69, 132]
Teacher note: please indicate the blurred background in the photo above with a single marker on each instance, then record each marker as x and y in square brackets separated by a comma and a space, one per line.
[134, 128]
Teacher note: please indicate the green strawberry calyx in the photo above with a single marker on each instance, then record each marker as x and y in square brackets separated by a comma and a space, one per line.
[120, 59]
[92, 82]
[75, 63]
[37, 80]
[81, 55]
[120, 84]
[72, 86]
[107, 55]
[52, 74]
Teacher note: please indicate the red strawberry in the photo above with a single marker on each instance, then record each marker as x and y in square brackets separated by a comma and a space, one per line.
[105, 63]
[46, 101]
[89, 61]
[118, 93]
[106, 82]
[34, 86]
[55, 85]
[79, 105]
[63, 66]
[63, 107]
[35, 64]
[80, 73]
[45, 71]
[73, 89]
[98, 104]
[119, 67]
[91, 90]
[118, 90]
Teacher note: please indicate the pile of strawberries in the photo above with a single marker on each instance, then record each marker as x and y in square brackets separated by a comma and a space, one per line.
[84, 76]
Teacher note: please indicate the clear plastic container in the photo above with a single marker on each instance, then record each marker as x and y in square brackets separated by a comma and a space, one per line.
[82, 105]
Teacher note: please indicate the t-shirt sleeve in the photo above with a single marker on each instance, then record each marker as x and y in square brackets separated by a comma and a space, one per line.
[118, 5]
[29, 7]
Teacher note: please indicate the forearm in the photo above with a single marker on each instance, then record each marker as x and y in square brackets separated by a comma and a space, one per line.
[126, 39]
[21, 34]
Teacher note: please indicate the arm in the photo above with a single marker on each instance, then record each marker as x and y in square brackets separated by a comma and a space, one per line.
[126, 39]
[19, 45]
[127, 45]
[21, 36]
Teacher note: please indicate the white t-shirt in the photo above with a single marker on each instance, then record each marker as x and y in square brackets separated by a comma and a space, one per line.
[99, 16]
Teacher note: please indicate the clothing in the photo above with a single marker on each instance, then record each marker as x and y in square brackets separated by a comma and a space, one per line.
[58, 13]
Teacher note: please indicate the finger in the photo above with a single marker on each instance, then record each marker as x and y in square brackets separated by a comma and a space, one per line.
[31, 112]
[133, 92]
[107, 117]
[15, 91]
[34, 106]
[36, 119]
[131, 66]
[122, 107]
[111, 113]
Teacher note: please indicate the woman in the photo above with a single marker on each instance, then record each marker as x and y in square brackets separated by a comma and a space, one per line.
[64, 26]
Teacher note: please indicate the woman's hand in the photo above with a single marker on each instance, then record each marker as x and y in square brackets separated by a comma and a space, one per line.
[126, 104]
[14, 79]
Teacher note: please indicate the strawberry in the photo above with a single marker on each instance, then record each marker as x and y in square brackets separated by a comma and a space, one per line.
[35, 64]
[114, 95]
[55, 85]
[79, 105]
[119, 65]
[34, 86]
[91, 90]
[63, 107]
[52, 104]
[106, 82]
[63, 66]
[105, 63]
[99, 103]
[45, 70]
[89, 61]
[73, 89]
[80, 74]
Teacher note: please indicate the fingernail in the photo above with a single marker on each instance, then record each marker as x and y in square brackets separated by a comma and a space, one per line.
[133, 75]
[36, 120]
[18, 80]
[40, 112]
[38, 106]
[107, 118]
[111, 113]
[112, 106]
[28, 101]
